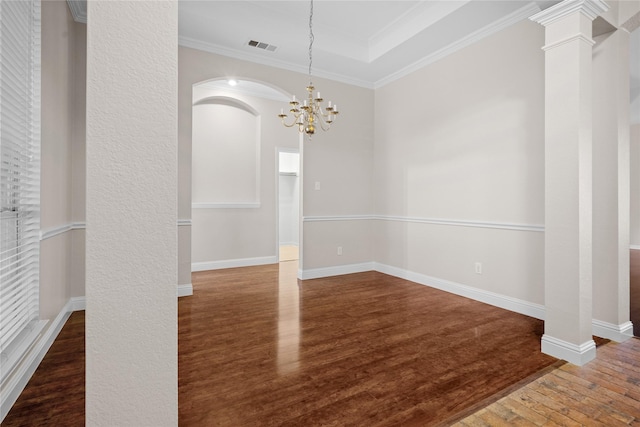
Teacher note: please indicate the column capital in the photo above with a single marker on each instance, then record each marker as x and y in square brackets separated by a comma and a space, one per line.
[589, 8]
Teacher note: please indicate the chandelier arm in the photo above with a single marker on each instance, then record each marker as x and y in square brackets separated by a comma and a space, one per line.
[324, 126]
[295, 122]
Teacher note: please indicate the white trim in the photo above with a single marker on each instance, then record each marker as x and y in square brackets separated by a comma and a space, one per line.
[573, 353]
[423, 220]
[184, 290]
[184, 222]
[60, 229]
[517, 16]
[338, 270]
[508, 303]
[337, 218]
[235, 205]
[635, 247]
[78, 303]
[296, 244]
[464, 223]
[54, 231]
[78, 10]
[233, 263]
[579, 37]
[25, 371]
[617, 333]
[589, 8]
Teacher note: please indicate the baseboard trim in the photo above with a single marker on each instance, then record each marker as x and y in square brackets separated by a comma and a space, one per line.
[610, 331]
[491, 298]
[635, 247]
[32, 360]
[567, 351]
[78, 303]
[572, 353]
[338, 270]
[185, 290]
[233, 263]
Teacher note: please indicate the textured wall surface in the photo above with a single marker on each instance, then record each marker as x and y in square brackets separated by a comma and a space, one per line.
[131, 236]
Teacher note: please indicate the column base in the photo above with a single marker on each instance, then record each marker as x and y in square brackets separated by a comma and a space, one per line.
[572, 353]
[610, 331]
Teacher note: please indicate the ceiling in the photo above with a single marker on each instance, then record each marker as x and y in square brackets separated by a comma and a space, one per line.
[366, 43]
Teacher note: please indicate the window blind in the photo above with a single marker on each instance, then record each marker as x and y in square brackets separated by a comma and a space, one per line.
[19, 179]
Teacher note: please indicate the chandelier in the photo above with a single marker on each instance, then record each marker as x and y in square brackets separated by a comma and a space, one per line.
[310, 114]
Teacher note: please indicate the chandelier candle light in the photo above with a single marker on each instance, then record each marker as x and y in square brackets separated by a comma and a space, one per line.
[311, 113]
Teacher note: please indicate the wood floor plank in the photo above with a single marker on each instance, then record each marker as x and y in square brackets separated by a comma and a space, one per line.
[523, 411]
[597, 394]
[600, 394]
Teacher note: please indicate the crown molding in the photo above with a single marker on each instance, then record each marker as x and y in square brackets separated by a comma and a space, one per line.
[589, 8]
[513, 18]
[78, 10]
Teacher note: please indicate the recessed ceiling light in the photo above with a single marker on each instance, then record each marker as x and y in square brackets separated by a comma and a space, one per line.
[232, 82]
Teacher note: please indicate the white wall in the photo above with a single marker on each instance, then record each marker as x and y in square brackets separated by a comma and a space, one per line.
[226, 154]
[341, 160]
[463, 140]
[289, 221]
[221, 235]
[289, 198]
[62, 91]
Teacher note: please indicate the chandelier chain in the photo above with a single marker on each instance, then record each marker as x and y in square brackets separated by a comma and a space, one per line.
[311, 38]
[308, 113]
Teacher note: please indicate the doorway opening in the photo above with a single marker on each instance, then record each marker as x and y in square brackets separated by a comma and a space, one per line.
[288, 204]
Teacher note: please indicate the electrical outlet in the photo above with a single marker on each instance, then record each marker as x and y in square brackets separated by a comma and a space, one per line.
[478, 266]
[317, 185]
[339, 250]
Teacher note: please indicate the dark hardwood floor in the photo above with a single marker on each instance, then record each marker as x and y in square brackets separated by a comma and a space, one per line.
[635, 291]
[259, 348]
[55, 394]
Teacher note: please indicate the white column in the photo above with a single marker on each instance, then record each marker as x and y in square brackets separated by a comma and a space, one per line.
[611, 186]
[568, 178]
[131, 235]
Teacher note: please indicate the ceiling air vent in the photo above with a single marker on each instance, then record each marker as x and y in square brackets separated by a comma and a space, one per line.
[262, 45]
